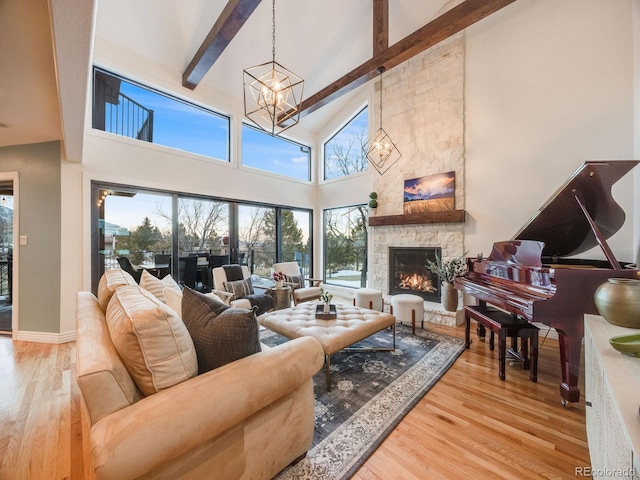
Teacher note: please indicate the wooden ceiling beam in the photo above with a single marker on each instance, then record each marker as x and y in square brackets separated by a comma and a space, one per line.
[380, 26]
[234, 15]
[446, 25]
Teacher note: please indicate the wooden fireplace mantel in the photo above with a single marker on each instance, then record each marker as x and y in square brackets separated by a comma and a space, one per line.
[449, 216]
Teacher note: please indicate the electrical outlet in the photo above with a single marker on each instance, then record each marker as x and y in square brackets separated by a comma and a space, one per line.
[23, 239]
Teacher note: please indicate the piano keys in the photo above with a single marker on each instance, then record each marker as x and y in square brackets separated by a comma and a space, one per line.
[530, 275]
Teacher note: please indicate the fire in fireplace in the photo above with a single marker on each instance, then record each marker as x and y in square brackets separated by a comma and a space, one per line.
[408, 272]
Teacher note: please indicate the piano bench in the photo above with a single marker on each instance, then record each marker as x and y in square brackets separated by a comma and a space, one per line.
[506, 326]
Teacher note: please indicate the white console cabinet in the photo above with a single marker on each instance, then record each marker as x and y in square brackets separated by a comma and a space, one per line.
[612, 396]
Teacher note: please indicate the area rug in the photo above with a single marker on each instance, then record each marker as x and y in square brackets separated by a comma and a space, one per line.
[370, 394]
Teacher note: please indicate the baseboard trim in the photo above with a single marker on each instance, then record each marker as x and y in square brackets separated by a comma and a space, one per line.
[45, 337]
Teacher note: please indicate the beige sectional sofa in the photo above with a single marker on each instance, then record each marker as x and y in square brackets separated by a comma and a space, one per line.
[247, 419]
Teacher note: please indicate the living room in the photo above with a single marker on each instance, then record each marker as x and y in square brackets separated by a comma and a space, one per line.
[538, 88]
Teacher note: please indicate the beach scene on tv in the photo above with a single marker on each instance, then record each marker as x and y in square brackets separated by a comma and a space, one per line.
[432, 193]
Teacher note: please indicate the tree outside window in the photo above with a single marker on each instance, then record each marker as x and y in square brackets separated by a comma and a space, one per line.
[343, 153]
[345, 234]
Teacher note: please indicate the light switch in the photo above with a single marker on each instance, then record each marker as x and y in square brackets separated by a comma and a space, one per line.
[23, 239]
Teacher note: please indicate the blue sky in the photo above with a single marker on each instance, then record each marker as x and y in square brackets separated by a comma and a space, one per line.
[186, 127]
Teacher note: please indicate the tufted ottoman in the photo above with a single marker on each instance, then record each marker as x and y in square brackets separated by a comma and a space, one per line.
[351, 325]
[408, 308]
[368, 298]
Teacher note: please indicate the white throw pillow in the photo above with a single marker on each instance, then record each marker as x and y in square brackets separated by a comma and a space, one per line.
[151, 339]
[173, 298]
[157, 286]
[110, 281]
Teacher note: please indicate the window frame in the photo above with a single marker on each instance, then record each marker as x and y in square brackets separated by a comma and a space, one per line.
[97, 269]
[170, 96]
[244, 124]
[325, 246]
[337, 132]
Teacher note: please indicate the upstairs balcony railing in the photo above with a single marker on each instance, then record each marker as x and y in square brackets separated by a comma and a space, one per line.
[115, 112]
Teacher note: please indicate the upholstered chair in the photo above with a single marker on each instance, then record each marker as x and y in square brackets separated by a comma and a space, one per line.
[300, 291]
[232, 283]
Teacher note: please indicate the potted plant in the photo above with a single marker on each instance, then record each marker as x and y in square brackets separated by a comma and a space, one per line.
[326, 299]
[447, 271]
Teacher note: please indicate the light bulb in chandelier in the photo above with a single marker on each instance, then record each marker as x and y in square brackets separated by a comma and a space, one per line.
[272, 93]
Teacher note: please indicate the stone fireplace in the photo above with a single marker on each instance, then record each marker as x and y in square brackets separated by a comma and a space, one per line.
[408, 272]
[424, 114]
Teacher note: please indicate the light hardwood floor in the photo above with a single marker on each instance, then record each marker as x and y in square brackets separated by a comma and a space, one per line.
[470, 425]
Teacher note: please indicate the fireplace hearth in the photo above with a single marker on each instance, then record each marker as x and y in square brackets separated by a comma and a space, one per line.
[408, 272]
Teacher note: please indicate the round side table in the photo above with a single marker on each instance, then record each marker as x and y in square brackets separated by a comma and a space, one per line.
[282, 297]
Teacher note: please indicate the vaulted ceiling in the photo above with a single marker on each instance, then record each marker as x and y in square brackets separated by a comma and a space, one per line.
[43, 83]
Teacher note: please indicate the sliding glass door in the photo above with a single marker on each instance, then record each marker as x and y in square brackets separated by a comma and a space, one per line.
[188, 236]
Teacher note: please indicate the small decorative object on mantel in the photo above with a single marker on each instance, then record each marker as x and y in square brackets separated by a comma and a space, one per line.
[433, 193]
[447, 272]
[618, 301]
[373, 200]
[279, 278]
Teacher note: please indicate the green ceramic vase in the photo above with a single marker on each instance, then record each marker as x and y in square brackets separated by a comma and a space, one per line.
[618, 301]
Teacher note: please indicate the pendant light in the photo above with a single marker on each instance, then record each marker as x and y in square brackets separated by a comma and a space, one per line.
[272, 93]
[380, 150]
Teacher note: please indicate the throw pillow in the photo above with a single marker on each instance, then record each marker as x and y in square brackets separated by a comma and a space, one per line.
[298, 280]
[157, 286]
[221, 334]
[239, 288]
[110, 281]
[152, 341]
[174, 299]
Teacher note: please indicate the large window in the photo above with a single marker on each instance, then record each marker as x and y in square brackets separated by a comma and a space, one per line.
[345, 246]
[187, 236]
[275, 154]
[343, 153]
[125, 108]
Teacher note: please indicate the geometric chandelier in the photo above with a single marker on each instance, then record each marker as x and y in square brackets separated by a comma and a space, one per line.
[272, 93]
[380, 150]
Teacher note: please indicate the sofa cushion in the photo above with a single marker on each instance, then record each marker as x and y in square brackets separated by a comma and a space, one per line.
[110, 281]
[221, 334]
[239, 288]
[152, 341]
[157, 286]
[173, 298]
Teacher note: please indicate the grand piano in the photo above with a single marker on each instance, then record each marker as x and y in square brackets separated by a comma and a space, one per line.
[529, 275]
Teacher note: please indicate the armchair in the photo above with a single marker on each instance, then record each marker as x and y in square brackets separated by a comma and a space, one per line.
[232, 283]
[299, 292]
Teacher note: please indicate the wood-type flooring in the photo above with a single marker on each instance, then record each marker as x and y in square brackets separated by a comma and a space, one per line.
[470, 425]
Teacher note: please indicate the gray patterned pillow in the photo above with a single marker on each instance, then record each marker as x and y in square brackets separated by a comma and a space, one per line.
[297, 279]
[220, 334]
[239, 288]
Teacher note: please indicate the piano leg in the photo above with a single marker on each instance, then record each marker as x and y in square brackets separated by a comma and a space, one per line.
[570, 339]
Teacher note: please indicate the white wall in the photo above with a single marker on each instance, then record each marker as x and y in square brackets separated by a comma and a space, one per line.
[549, 84]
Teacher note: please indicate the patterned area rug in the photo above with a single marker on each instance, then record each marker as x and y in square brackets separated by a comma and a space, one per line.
[370, 394]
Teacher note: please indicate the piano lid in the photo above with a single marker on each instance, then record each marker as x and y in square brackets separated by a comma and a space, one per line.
[562, 225]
